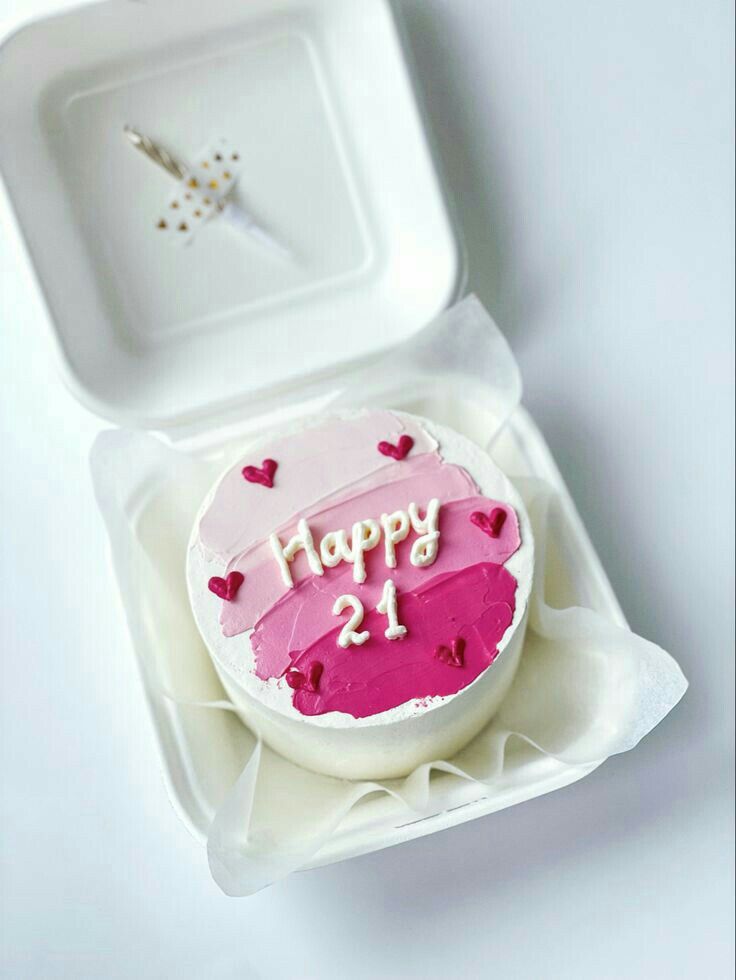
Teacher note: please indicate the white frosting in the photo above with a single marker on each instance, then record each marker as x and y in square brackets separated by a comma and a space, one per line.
[396, 527]
[348, 635]
[424, 549]
[365, 537]
[302, 541]
[334, 548]
[388, 606]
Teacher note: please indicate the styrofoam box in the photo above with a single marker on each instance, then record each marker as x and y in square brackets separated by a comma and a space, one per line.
[317, 96]
[204, 750]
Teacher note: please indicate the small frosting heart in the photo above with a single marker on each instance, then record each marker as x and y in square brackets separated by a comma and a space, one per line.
[490, 524]
[443, 653]
[262, 474]
[314, 673]
[226, 588]
[458, 651]
[454, 655]
[398, 451]
[297, 680]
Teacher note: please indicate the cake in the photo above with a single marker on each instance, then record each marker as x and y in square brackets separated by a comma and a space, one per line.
[361, 583]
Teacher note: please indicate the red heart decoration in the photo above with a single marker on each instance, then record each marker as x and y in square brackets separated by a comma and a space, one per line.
[226, 588]
[297, 680]
[399, 451]
[454, 656]
[443, 653]
[313, 674]
[490, 524]
[262, 474]
[458, 652]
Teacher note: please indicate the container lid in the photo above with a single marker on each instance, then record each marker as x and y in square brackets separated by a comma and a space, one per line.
[316, 96]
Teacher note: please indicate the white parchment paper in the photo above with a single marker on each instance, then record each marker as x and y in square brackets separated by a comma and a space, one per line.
[587, 688]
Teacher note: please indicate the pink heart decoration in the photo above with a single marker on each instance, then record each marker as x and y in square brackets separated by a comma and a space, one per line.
[398, 451]
[490, 524]
[226, 588]
[297, 680]
[262, 474]
[455, 655]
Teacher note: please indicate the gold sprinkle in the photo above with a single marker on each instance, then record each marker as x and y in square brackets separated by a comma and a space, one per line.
[193, 182]
[212, 184]
[183, 226]
[197, 214]
[174, 204]
[207, 200]
[206, 164]
[226, 175]
[162, 224]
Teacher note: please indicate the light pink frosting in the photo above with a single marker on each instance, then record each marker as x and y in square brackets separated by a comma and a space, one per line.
[314, 466]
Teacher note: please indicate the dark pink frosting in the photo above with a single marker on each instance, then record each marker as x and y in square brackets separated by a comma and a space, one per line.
[475, 603]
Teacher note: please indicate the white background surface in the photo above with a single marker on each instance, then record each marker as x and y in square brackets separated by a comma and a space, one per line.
[589, 146]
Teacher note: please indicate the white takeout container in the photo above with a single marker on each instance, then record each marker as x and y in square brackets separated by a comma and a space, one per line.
[213, 342]
[335, 163]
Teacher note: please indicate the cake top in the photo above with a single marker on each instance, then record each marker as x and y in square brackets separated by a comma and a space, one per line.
[356, 567]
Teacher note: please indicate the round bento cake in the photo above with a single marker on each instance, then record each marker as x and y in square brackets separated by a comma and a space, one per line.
[361, 583]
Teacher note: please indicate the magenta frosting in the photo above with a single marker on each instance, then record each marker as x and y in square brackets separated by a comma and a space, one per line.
[475, 603]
